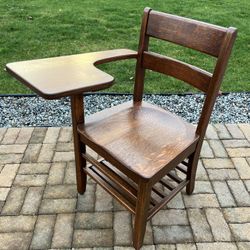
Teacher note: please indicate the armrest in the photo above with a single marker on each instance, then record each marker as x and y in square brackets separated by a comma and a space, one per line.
[61, 76]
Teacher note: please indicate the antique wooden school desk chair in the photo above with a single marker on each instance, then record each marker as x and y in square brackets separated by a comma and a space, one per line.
[140, 144]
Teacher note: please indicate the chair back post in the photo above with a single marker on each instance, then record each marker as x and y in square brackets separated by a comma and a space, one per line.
[143, 46]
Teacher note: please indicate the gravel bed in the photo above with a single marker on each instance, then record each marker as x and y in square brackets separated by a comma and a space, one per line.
[35, 111]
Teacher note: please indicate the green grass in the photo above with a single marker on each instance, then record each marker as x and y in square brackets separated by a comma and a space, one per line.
[41, 28]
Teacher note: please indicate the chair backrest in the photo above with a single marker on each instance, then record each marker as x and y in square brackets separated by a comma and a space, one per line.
[210, 39]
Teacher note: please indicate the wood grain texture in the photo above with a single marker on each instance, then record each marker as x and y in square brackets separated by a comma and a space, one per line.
[190, 33]
[55, 77]
[141, 136]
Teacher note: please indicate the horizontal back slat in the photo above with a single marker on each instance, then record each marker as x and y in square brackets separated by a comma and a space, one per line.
[193, 34]
[186, 72]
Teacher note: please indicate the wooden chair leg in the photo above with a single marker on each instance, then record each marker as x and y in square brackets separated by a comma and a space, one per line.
[78, 117]
[141, 213]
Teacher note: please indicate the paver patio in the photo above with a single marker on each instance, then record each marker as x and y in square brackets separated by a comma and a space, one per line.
[40, 207]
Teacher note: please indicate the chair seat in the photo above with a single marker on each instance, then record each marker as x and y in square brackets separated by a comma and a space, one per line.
[141, 136]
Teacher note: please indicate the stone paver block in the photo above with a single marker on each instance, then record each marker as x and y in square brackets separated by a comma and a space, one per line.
[3, 193]
[70, 173]
[94, 220]
[53, 206]
[65, 134]
[235, 131]
[10, 158]
[63, 232]
[17, 240]
[200, 226]
[218, 148]
[10, 136]
[34, 168]
[236, 143]
[241, 232]
[46, 153]
[8, 174]
[12, 149]
[17, 223]
[93, 238]
[219, 227]
[242, 167]
[170, 217]
[14, 201]
[31, 153]
[245, 128]
[218, 163]
[201, 200]
[56, 173]
[51, 135]
[237, 215]
[103, 200]
[177, 202]
[64, 147]
[240, 193]
[222, 131]
[2, 133]
[60, 191]
[24, 135]
[206, 151]
[223, 193]
[38, 135]
[201, 174]
[86, 202]
[32, 200]
[43, 232]
[30, 180]
[64, 156]
[243, 245]
[122, 228]
[238, 152]
[222, 174]
[216, 246]
[211, 132]
[172, 234]
[247, 183]
[203, 187]
[187, 246]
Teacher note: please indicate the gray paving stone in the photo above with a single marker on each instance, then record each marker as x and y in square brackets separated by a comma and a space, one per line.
[238, 152]
[241, 232]
[12, 149]
[46, 153]
[245, 128]
[31, 153]
[64, 156]
[243, 245]
[32, 200]
[236, 143]
[30, 180]
[117, 206]
[10, 158]
[172, 234]
[60, 191]
[65, 134]
[219, 227]
[70, 173]
[86, 202]
[201, 174]
[240, 193]
[64, 147]
[216, 246]
[206, 151]
[56, 173]
[14, 201]
[200, 201]
[94, 220]
[203, 187]
[38, 135]
[148, 237]
[242, 167]
[93, 238]
[237, 215]
[43, 232]
[235, 131]
[17, 240]
[222, 131]
[63, 232]
[54, 206]
[8, 174]
[34, 168]
[176, 202]
[17, 223]
[218, 163]
[2, 133]
[223, 193]
[170, 217]
[4, 193]
[10, 136]
[122, 228]
[24, 135]
[218, 148]
[222, 174]
[187, 246]
[211, 132]
[247, 184]
[103, 200]
[51, 135]
[199, 225]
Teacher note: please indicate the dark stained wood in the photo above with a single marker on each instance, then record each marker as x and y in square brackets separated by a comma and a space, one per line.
[187, 32]
[183, 71]
[61, 76]
[143, 137]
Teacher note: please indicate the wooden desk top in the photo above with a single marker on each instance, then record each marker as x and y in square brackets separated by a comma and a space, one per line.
[61, 76]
